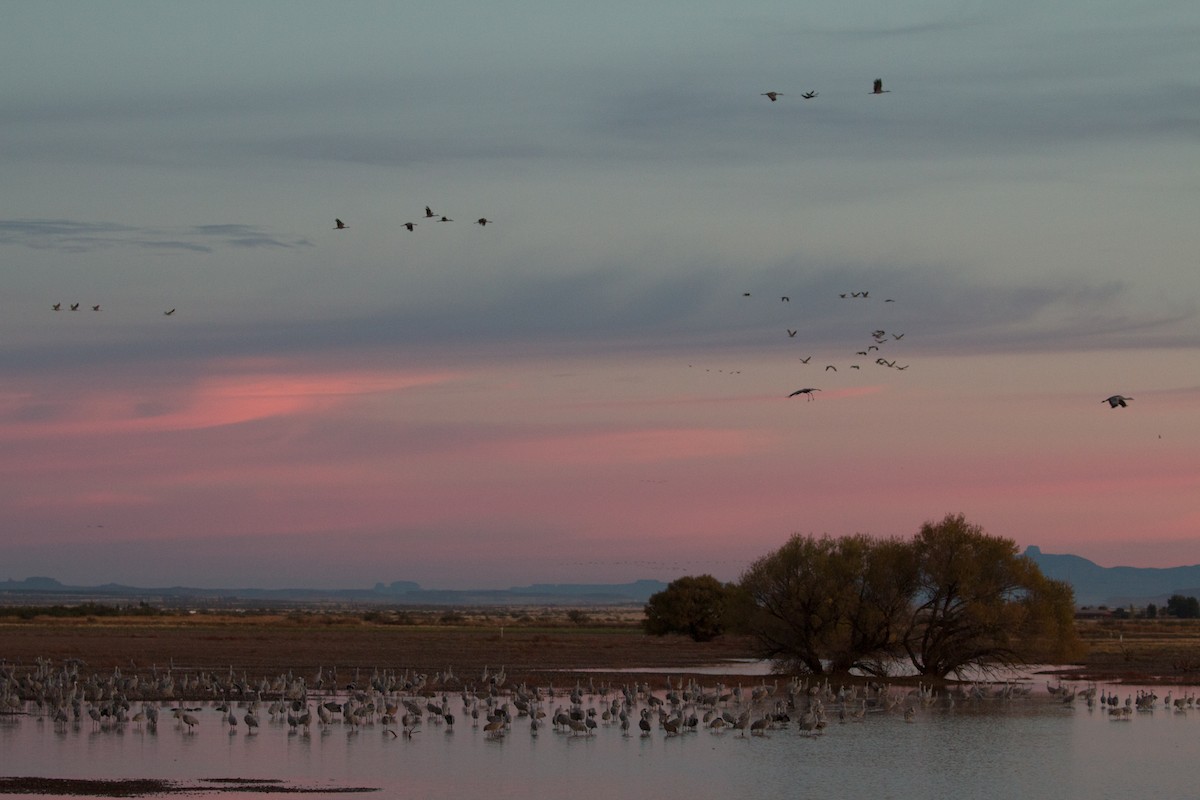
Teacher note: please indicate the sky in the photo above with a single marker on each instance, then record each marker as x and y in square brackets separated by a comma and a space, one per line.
[593, 387]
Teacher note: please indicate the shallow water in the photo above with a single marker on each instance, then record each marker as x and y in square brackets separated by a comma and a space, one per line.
[1022, 748]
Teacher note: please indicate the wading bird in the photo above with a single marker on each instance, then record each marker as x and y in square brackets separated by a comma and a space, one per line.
[410, 225]
[878, 88]
[808, 391]
[1116, 400]
[340, 225]
[809, 95]
[772, 95]
[482, 221]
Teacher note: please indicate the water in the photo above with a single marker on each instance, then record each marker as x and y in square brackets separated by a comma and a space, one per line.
[1023, 748]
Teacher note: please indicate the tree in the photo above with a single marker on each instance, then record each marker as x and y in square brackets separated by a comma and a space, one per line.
[978, 602]
[827, 604]
[1183, 607]
[697, 606]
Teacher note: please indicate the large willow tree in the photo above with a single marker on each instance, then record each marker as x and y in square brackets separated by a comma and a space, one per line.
[951, 598]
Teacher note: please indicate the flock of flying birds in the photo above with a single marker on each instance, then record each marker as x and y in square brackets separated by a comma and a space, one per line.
[879, 336]
[482, 222]
[339, 225]
[1115, 401]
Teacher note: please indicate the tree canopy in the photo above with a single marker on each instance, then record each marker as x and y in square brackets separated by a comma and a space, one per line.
[953, 597]
[697, 606]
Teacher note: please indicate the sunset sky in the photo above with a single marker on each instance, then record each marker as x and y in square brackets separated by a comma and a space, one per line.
[583, 390]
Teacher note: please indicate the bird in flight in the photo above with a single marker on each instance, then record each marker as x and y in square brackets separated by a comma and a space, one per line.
[429, 212]
[809, 95]
[830, 367]
[96, 307]
[878, 88]
[785, 299]
[168, 313]
[791, 333]
[56, 307]
[340, 225]
[445, 219]
[482, 221]
[805, 360]
[74, 306]
[410, 225]
[1116, 400]
[772, 95]
[808, 391]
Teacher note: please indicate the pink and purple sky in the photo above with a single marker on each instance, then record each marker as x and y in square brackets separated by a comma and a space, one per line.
[582, 391]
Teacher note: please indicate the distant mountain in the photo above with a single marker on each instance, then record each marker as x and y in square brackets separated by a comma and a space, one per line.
[1117, 586]
[49, 590]
[1094, 585]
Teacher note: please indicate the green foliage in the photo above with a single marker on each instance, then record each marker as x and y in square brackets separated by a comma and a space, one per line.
[697, 606]
[1183, 607]
[142, 609]
[951, 598]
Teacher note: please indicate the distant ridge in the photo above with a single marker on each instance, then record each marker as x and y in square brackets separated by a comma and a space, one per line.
[1093, 584]
[48, 590]
[1116, 586]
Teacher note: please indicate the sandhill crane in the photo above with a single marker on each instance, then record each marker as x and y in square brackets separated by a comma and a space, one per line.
[410, 225]
[74, 306]
[96, 307]
[429, 213]
[168, 313]
[878, 88]
[808, 391]
[56, 307]
[785, 299]
[445, 219]
[483, 221]
[791, 333]
[340, 225]
[1116, 400]
[805, 360]
[809, 95]
[772, 96]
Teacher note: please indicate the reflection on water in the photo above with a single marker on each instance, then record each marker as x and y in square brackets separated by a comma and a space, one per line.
[1033, 747]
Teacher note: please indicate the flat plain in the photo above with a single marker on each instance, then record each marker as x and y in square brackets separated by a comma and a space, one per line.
[533, 646]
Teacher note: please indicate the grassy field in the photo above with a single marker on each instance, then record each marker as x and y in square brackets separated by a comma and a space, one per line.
[535, 645]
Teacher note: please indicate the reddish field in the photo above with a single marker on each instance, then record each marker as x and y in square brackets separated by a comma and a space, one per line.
[542, 649]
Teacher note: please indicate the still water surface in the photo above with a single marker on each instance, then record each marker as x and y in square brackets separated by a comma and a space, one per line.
[1023, 748]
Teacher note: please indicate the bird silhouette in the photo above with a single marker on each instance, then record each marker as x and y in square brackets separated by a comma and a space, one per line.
[482, 221]
[1116, 400]
[74, 306]
[56, 307]
[772, 95]
[96, 307]
[806, 391]
[805, 360]
[878, 88]
[791, 333]
[809, 95]
[830, 367]
[445, 219]
[168, 313]
[410, 225]
[340, 225]
[429, 212]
